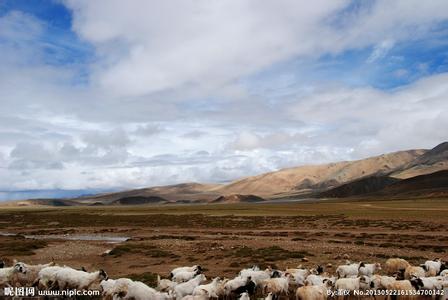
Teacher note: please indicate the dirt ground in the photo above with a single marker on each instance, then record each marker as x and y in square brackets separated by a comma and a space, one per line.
[226, 238]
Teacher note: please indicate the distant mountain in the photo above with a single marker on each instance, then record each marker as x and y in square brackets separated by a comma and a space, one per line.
[138, 200]
[358, 187]
[387, 174]
[428, 186]
[305, 179]
[431, 161]
[235, 198]
[185, 192]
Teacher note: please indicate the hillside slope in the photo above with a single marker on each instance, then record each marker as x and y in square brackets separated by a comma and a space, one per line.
[432, 161]
[185, 192]
[304, 179]
[341, 179]
[428, 185]
[358, 187]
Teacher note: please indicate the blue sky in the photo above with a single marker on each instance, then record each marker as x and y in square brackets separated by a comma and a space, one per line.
[96, 92]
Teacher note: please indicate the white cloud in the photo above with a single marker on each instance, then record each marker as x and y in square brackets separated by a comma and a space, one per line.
[168, 100]
[380, 50]
[152, 46]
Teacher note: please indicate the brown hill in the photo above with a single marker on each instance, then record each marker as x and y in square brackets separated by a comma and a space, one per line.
[139, 200]
[431, 161]
[357, 187]
[235, 198]
[301, 180]
[341, 179]
[428, 185]
[185, 192]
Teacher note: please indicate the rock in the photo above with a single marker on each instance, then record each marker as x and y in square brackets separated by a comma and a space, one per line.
[329, 265]
[305, 259]
[105, 253]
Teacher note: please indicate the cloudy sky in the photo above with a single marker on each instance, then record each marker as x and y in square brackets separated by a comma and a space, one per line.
[109, 94]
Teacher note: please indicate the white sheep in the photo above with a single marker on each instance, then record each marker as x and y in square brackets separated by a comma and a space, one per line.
[401, 285]
[136, 290]
[427, 283]
[394, 265]
[314, 292]
[164, 296]
[197, 297]
[233, 284]
[76, 279]
[350, 270]
[313, 279]
[277, 286]
[7, 274]
[165, 285]
[433, 267]
[32, 272]
[109, 286]
[380, 282]
[299, 275]
[187, 288]
[220, 291]
[183, 276]
[256, 276]
[210, 289]
[194, 268]
[351, 284]
[46, 277]
[369, 269]
[414, 271]
[244, 296]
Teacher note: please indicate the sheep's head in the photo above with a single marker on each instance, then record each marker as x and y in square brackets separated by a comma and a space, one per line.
[198, 269]
[103, 274]
[417, 283]
[328, 283]
[375, 282]
[424, 267]
[275, 274]
[2, 264]
[364, 281]
[319, 269]
[377, 266]
[20, 267]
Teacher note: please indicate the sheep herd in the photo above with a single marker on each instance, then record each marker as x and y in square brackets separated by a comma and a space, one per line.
[190, 283]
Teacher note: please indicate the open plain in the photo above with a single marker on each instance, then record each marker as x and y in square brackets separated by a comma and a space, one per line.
[141, 241]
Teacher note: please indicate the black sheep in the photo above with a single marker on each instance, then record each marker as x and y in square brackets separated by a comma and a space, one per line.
[248, 288]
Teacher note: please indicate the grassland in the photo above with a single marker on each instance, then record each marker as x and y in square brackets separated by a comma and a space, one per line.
[224, 238]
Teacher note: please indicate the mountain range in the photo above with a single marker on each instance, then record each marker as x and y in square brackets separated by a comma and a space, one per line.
[410, 173]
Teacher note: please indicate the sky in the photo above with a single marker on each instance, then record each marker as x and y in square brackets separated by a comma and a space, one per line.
[108, 95]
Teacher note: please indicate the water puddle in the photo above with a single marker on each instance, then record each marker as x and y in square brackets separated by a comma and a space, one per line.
[71, 237]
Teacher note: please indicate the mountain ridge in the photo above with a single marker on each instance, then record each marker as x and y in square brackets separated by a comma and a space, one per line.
[345, 178]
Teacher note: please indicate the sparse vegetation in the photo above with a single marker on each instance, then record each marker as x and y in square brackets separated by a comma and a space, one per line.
[273, 253]
[144, 249]
[19, 246]
[147, 278]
